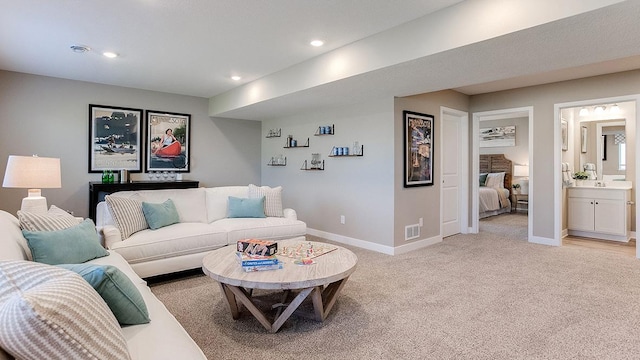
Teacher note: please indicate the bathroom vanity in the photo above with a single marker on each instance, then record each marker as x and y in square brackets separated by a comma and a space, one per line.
[600, 210]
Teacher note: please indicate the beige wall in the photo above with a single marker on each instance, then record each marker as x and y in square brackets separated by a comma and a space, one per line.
[49, 117]
[360, 188]
[410, 204]
[543, 98]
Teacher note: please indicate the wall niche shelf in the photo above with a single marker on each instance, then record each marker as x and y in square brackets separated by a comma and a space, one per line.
[318, 167]
[277, 161]
[290, 140]
[335, 153]
[274, 133]
[325, 130]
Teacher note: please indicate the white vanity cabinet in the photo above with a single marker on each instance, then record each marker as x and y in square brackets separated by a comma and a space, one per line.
[601, 213]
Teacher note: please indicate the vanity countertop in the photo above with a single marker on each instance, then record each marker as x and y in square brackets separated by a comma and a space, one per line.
[603, 185]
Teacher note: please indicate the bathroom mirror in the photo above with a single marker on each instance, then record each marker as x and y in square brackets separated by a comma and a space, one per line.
[605, 147]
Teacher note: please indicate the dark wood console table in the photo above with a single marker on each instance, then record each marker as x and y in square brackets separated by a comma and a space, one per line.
[98, 190]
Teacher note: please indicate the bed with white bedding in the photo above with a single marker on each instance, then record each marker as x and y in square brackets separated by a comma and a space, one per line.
[495, 185]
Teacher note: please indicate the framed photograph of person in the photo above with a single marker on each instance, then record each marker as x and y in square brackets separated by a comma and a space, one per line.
[114, 138]
[418, 149]
[167, 141]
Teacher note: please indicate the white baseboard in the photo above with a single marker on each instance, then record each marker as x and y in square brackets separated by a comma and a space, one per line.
[389, 250]
[543, 241]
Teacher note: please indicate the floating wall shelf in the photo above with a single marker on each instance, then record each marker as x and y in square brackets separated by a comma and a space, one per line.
[288, 145]
[306, 168]
[333, 152]
[274, 133]
[325, 130]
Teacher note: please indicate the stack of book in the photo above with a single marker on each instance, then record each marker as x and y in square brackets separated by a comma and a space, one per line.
[258, 255]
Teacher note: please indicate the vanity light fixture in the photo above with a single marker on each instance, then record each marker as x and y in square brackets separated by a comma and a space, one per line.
[599, 109]
[584, 112]
[110, 54]
[317, 43]
[615, 109]
[236, 78]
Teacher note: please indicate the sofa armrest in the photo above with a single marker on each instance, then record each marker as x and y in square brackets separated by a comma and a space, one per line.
[111, 235]
[290, 214]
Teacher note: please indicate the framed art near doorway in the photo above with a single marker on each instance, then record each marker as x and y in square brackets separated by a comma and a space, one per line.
[418, 149]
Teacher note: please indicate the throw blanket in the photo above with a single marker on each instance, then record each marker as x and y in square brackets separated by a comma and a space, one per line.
[491, 199]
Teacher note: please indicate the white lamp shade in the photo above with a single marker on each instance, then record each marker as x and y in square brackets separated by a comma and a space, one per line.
[32, 172]
[521, 170]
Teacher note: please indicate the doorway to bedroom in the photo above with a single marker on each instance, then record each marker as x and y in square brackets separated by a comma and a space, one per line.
[501, 154]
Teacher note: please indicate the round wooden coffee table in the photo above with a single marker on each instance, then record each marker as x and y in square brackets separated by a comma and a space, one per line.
[323, 280]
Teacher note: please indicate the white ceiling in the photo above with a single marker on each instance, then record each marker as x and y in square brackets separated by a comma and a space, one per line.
[192, 47]
[189, 47]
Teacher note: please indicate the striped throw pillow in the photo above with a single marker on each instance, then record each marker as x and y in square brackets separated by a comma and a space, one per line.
[272, 199]
[51, 313]
[127, 214]
[54, 219]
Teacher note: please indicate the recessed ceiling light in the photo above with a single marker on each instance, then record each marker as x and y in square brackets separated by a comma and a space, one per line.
[80, 48]
[110, 55]
[236, 78]
[317, 43]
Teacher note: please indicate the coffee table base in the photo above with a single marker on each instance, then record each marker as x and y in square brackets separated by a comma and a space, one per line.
[322, 297]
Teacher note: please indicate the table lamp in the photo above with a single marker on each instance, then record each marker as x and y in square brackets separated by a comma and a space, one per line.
[523, 172]
[33, 173]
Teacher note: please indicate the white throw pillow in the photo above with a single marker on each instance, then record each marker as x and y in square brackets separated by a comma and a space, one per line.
[127, 215]
[51, 313]
[495, 180]
[54, 219]
[272, 199]
[218, 200]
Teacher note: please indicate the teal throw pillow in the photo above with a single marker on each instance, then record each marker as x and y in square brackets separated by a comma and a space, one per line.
[117, 290]
[245, 208]
[483, 179]
[160, 215]
[74, 245]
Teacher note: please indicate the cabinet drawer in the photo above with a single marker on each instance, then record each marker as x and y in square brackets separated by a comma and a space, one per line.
[612, 194]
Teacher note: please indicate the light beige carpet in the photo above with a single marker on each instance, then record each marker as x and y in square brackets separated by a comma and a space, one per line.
[485, 296]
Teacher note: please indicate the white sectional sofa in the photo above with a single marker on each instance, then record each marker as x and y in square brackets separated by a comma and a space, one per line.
[162, 338]
[203, 227]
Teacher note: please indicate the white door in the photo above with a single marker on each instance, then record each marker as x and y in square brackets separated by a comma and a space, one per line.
[451, 174]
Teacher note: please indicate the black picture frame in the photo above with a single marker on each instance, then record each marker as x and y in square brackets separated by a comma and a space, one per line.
[418, 149]
[173, 155]
[115, 138]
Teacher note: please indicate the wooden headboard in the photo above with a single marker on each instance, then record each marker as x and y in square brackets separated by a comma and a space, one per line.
[495, 163]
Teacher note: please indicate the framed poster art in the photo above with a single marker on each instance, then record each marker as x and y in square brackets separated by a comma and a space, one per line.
[114, 138]
[168, 141]
[498, 136]
[418, 149]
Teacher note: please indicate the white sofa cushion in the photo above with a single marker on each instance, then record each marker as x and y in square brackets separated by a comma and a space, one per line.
[51, 313]
[218, 200]
[272, 198]
[175, 240]
[270, 228]
[190, 203]
[13, 246]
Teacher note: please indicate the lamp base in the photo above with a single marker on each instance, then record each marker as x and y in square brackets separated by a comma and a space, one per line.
[34, 204]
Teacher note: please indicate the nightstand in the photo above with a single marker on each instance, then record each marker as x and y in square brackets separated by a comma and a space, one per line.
[520, 201]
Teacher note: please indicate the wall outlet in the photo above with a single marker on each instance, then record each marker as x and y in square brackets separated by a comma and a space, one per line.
[421, 222]
[342, 219]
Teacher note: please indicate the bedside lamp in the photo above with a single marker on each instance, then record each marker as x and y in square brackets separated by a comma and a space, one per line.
[33, 173]
[522, 171]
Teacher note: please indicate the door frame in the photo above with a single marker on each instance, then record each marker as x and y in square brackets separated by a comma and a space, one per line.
[526, 111]
[557, 151]
[463, 178]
